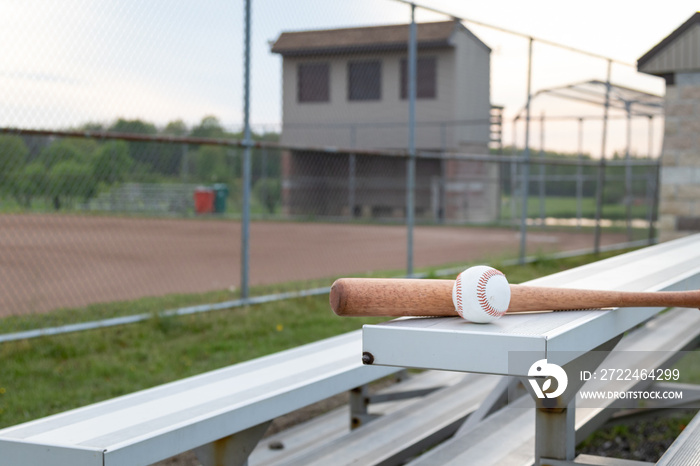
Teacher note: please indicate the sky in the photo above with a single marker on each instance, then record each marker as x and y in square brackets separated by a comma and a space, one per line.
[66, 63]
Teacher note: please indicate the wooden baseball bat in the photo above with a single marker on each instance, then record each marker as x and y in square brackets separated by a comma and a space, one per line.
[391, 297]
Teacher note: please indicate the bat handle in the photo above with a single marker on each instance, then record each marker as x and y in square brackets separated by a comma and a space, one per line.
[533, 298]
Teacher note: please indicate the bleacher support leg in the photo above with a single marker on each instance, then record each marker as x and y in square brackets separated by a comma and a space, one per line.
[359, 401]
[555, 426]
[555, 431]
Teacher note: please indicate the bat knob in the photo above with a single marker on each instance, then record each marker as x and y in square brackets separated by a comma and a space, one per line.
[481, 294]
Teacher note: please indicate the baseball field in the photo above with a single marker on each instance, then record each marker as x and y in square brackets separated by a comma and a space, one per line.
[54, 261]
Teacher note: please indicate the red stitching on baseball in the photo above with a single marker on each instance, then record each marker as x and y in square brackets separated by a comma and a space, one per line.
[481, 293]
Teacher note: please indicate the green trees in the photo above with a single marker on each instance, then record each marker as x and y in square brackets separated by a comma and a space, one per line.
[72, 180]
[112, 162]
[64, 171]
[14, 153]
[30, 182]
[211, 164]
[13, 158]
[209, 127]
[268, 192]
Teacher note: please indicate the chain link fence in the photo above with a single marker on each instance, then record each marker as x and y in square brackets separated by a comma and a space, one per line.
[98, 207]
[115, 217]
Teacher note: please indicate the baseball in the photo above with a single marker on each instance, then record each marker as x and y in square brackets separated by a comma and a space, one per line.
[481, 294]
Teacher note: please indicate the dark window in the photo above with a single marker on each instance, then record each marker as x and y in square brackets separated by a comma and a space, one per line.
[426, 82]
[312, 82]
[365, 80]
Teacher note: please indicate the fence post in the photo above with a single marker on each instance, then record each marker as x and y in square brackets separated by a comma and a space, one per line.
[628, 172]
[183, 164]
[112, 190]
[543, 174]
[245, 220]
[653, 180]
[526, 162]
[601, 171]
[352, 169]
[654, 208]
[514, 174]
[411, 164]
[651, 135]
[579, 175]
[352, 181]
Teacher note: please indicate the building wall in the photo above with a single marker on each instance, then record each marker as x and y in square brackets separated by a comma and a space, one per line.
[472, 95]
[463, 93]
[471, 188]
[679, 208]
[379, 124]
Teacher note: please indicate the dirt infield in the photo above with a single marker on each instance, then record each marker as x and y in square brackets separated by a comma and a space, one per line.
[53, 261]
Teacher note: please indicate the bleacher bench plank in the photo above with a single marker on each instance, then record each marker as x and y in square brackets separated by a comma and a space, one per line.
[666, 334]
[590, 460]
[558, 337]
[155, 424]
[394, 436]
[319, 431]
[686, 448]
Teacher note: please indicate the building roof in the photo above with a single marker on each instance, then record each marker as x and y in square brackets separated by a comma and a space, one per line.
[658, 48]
[367, 39]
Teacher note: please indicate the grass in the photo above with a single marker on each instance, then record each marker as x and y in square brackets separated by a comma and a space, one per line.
[147, 305]
[566, 207]
[46, 375]
[52, 374]
[639, 440]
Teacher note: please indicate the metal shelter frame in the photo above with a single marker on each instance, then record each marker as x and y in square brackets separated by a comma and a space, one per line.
[633, 102]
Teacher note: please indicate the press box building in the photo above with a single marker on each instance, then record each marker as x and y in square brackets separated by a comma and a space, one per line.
[347, 88]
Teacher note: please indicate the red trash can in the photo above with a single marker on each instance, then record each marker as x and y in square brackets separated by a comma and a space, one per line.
[204, 200]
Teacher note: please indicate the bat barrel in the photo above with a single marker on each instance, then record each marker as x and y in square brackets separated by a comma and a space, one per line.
[392, 297]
